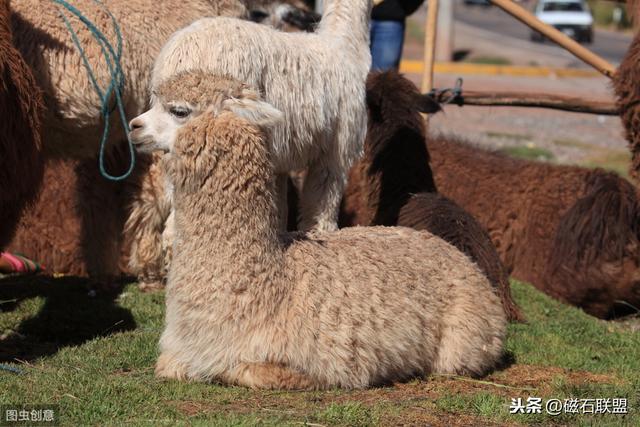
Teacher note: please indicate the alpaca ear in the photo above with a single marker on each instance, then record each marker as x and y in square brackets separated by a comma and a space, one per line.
[426, 104]
[254, 111]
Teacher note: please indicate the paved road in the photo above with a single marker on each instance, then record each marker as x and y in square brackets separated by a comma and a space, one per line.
[611, 46]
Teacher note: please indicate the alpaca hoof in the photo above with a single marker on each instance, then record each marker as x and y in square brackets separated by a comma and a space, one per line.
[168, 367]
[151, 285]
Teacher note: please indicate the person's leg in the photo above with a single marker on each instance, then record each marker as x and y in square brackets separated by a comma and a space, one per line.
[387, 39]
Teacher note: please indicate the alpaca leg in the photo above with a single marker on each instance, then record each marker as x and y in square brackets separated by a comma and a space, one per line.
[101, 208]
[168, 367]
[149, 211]
[320, 197]
[269, 376]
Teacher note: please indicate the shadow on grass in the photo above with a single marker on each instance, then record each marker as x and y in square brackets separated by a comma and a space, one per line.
[71, 312]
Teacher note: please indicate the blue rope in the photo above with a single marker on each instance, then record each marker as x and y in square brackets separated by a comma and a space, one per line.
[8, 368]
[116, 85]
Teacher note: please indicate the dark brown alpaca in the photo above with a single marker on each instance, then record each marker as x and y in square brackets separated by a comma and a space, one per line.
[626, 83]
[570, 231]
[76, 208]
[21, 109]
[393, 184]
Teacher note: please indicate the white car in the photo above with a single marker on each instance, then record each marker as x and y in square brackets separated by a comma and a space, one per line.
[572, 17]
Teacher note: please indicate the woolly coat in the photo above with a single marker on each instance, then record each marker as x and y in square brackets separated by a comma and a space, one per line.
[73, 120]
[21, 111]
[392, 184]
[570, 231]
[316, 79]
[353, 308]
[94, 209]
[627, 89]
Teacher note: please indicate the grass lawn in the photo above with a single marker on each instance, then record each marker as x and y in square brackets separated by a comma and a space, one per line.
[93, 356]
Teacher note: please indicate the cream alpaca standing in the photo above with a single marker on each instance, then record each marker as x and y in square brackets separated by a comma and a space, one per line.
[317, 80]
[352, 308]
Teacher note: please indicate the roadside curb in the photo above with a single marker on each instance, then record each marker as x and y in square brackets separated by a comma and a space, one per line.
[416, 67]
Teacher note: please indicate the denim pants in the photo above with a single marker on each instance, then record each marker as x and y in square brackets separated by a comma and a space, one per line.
[387, 38]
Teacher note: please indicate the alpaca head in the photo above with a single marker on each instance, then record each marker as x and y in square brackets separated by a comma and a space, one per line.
[185, 97]
[210, 126]
[284, 15]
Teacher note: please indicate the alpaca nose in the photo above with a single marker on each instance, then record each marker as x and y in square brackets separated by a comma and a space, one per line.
[136, 124]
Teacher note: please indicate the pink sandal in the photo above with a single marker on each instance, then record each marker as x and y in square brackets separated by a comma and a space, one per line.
[20, 264]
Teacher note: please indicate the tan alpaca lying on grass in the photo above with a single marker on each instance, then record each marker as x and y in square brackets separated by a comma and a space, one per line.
[249, 306]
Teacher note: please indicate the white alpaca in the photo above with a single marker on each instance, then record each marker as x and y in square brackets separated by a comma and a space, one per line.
[317, 80]
[247, 306]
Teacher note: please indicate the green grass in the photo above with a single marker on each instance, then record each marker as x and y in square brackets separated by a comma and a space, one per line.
[94, 356]
[529, 152]
[613, 160]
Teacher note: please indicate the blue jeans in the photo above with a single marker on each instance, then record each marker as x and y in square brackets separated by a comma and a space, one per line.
[387, 38]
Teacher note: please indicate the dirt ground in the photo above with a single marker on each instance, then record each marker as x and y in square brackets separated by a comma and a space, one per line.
[564, 137]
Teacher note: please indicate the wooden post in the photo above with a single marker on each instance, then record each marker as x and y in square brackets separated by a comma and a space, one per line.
[430, 45]
[558, 37]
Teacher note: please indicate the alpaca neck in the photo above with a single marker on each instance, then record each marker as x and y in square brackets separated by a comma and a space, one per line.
[234, 225]
[348, 20]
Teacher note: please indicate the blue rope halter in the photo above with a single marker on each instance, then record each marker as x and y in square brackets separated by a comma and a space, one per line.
[116, 85]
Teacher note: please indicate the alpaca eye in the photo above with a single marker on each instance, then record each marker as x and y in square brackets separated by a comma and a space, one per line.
[180, 112]
[257, 15]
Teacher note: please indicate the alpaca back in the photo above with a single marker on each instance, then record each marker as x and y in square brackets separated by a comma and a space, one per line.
[21, 108]
[518, 202]
[570, 231]
[393, 183]
[386, 308]
[594, 262]
[445, 219]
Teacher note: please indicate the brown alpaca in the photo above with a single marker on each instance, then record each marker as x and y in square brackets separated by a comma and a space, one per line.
[74, 200]
[393, 184]
[570, 231]
[626, 83]
[354, 308]
[75, 225]
[21, 111]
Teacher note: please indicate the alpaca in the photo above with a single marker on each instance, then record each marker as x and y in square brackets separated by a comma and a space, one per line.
[21, 111]
[73, 120]
[53, 229]
[352, 308]
[392, 184]
[570, 231]
[94, 209]
[316, 79]
[627, 89]
[293, 15]
[72, 123]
